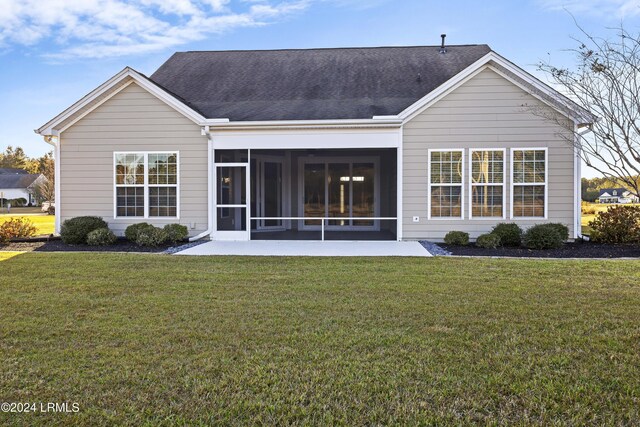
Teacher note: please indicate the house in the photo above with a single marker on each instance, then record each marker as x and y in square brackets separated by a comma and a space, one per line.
[617, 195]
[348, 143]
[17, 186]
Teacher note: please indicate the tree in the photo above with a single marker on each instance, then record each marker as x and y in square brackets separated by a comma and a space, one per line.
[44, 190]
[13, 158]
[605, 82]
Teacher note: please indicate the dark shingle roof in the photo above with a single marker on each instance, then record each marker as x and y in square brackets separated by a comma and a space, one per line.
[311, 84]
[619, 191]
[18, 180]
[4, 171]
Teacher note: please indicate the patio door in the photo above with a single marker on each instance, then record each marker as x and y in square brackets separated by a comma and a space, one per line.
[268, 193]
[231, 202]
[342, 191]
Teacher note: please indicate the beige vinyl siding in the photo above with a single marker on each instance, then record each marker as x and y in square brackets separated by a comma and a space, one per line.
[132, 120]
[485, 112]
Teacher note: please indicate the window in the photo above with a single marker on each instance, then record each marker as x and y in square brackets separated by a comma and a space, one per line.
[146, 185]
[487, 183]
[446, 174]
[529, 183]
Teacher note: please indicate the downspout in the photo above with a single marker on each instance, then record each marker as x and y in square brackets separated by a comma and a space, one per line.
[54, 140]
[577, 164]
[206, 131]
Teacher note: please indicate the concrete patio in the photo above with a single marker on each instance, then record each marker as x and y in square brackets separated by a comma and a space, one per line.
[309, 248]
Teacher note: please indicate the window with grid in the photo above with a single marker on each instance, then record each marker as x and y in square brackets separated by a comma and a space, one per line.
[487, 183]
[446, 175]
[529, 183]
[146, 185]
[163, 184]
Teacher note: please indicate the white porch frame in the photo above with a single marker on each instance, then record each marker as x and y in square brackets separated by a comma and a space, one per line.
[347, 138]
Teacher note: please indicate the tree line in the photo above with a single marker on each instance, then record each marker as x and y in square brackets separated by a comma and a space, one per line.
[16, 158]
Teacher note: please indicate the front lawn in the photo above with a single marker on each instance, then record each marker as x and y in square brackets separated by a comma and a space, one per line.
[44, 223]
[155, 339]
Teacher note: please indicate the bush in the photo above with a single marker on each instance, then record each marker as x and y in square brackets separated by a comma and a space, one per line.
[132, 231]
[619, 224]
[588, 208]
[176, 233]
[74, 231]
[16, 227]
[562, 230]
[510, 234]
[18, 203]
[543, 236]
[457, 238]
[101, 237]
[151, 236]
[489, 241]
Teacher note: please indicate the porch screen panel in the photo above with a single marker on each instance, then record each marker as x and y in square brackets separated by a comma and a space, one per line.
[363, 193]
[339, 192]
[272, 193]
[314, 187]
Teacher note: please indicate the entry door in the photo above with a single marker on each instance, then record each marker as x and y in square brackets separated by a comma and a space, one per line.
[269, 194]
[231, 202]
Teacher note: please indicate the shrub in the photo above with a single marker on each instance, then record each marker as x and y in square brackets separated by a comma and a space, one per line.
[619, 224]
[510, 234]
[489, 241]
[457, 238]
[562, 230]
[18, 203]
[132, 231]
[543, 236]
[74, 231]
[176, 232]
[101, 237]
[588, 208]
[16, 227]
[151, 236]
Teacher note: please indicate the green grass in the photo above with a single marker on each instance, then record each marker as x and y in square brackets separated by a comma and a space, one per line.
[161, 340]
[45, 224]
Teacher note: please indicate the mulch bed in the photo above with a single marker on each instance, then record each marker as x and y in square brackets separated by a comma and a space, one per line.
[60, 246]
[578, 249]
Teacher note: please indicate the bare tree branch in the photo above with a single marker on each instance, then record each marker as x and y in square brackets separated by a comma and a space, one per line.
[606, 82]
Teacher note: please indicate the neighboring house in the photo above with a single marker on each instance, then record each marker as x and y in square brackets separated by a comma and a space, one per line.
[18, 184]
[358, 143]
[616, 195]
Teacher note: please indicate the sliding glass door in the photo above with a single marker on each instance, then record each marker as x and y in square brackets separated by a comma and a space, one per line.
[342, 191]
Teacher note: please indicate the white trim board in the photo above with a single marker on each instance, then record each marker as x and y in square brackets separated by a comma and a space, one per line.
[127, 73]
[494, 62]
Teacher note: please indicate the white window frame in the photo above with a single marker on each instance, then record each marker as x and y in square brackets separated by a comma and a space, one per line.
[430, 184]
[545, 183]
[146, 185]
[504, 184]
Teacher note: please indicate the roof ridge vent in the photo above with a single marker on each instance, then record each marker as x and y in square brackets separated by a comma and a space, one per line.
[443, 49]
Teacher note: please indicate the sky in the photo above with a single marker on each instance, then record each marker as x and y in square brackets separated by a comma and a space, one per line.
[53, 52]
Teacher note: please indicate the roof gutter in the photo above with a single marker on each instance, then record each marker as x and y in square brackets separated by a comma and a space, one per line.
[206, 131]
[376, 121]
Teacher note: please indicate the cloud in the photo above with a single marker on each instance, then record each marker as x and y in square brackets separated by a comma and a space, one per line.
[108, 28]
[615, 8]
